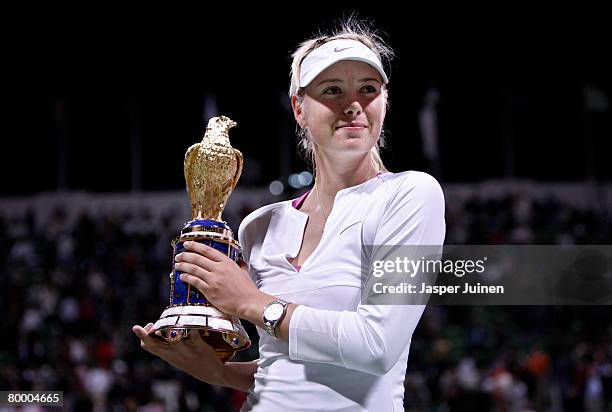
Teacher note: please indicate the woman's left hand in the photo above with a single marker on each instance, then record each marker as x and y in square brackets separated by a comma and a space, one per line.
[225, 284]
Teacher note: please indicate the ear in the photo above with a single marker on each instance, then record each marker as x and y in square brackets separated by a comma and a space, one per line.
[297, 111]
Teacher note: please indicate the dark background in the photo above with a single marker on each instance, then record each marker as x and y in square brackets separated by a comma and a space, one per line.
[79, 89]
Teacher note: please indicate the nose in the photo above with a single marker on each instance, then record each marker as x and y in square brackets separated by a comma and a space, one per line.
[353, 108]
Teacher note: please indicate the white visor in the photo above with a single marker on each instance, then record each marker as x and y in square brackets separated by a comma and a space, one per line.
[334, 51]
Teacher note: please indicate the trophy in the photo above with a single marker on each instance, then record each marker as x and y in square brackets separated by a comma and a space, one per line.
[212, 169]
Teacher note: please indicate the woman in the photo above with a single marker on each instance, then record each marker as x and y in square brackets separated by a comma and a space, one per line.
[321, 348]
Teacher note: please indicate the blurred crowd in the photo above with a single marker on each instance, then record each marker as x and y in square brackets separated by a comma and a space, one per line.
[72, 291]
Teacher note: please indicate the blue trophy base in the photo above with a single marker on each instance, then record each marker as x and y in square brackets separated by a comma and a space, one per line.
[189, 309]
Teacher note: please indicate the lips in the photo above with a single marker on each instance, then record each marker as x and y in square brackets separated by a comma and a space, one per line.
[352, 125]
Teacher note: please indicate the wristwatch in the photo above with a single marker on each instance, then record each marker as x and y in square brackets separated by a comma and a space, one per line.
[273, 314]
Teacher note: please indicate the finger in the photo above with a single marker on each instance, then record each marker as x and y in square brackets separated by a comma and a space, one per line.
[144, 333]
[193, 270]
[149, 343]
[204, 250]
[196, 259]
[196, 340]
[195, 281]
[141, 332]
[194, 337]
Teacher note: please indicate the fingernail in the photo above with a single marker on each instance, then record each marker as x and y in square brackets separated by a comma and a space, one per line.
[187, 245]
[177, 257]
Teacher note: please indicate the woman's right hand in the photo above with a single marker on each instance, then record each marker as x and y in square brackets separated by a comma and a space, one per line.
[191, 355]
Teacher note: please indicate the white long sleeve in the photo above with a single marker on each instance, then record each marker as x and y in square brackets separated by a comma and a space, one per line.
[372, 338]
[342, 354]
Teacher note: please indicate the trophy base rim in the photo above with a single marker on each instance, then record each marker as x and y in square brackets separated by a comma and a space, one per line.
[223, 332]
[171, 335]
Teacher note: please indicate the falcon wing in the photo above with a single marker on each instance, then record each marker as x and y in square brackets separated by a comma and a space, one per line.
[239, 162]
[190, 157]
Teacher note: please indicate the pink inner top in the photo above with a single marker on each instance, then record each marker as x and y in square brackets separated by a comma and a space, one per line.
[297, 203]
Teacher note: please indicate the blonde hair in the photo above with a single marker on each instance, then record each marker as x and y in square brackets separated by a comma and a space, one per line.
[352, 29]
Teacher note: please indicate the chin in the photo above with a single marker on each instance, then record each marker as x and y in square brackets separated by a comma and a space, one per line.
[356, 146]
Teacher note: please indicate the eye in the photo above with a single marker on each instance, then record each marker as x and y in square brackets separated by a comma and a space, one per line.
[332, 90]
[369, 89]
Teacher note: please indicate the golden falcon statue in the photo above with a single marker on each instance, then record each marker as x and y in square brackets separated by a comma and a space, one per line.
[212, 169]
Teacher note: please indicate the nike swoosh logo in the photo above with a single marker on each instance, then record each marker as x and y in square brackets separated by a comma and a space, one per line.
[337, 50]
[349, 226]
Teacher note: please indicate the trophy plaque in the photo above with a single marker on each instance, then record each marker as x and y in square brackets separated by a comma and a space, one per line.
[212, 169]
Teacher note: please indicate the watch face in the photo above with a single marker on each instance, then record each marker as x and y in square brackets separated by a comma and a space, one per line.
[274, 312]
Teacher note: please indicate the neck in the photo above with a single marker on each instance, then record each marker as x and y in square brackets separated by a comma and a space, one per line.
[333, 176]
